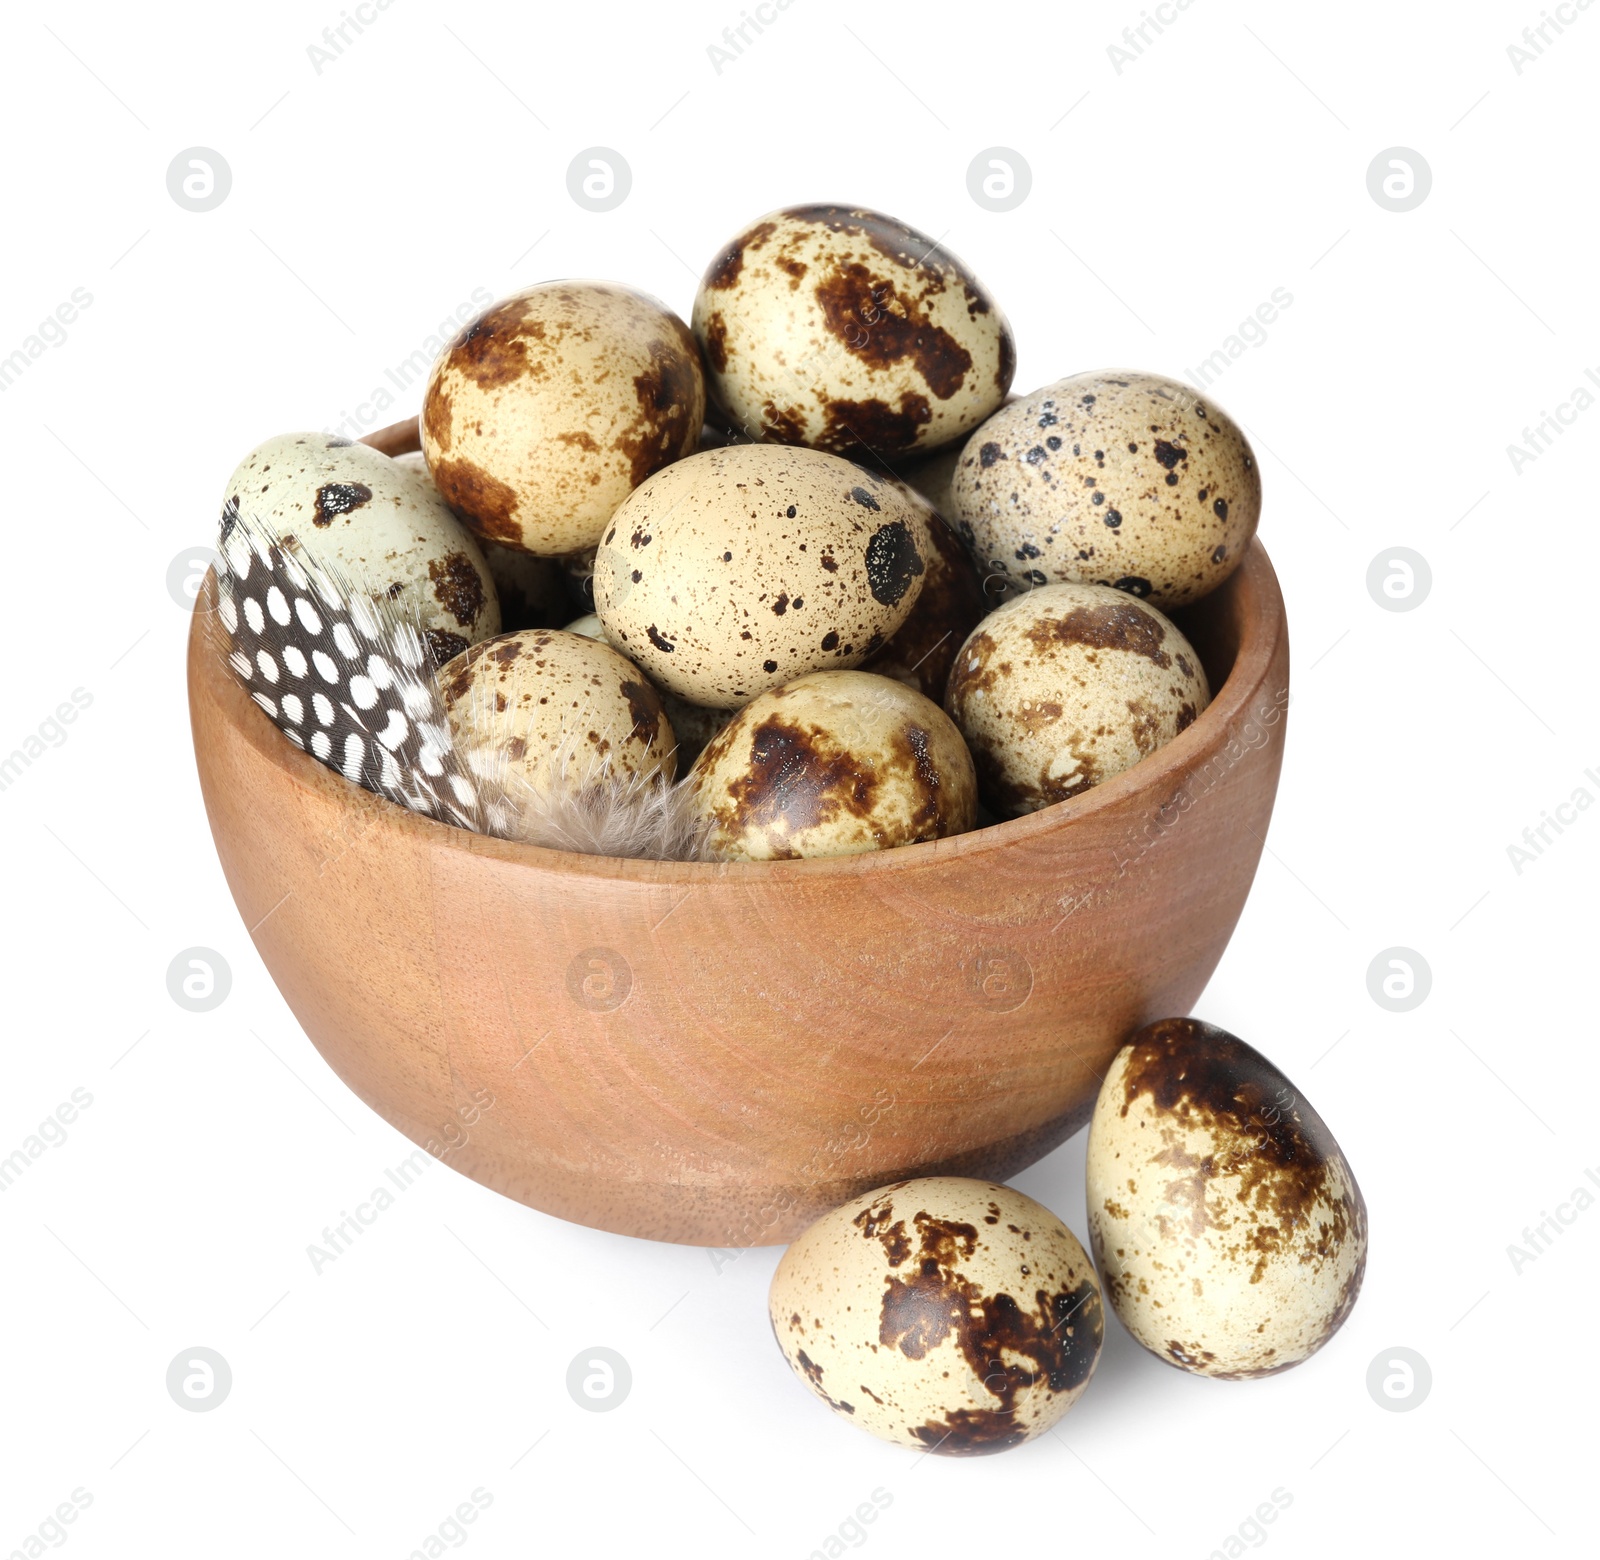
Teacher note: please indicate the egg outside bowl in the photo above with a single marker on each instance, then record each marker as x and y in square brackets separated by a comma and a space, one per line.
[718, 1053]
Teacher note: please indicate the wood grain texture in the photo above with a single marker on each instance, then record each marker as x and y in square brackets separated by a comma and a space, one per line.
[718, 1053]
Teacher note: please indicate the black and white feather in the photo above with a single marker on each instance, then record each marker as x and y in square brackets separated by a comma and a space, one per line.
[346, 676]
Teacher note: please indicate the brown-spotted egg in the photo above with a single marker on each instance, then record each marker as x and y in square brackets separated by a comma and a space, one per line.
[556, 709]
[845, 329]
[1116, 478]
[948, 1315]
[692, 724]
[350, 507]
[546, 411]
[1066, 686]
[529, 588]
[736, 570]
[1229, 1229]
[834, 764]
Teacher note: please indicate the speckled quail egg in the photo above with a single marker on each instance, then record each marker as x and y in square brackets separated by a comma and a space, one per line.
[352, 508]
[948, 607]
[834, 764]
[739, 569]
[546, 411]
[1116, 478]
[1229, 1229]
[529, 589]
[1065, 687]
[845, 329]
[557, 710]
[948, 1315]
[693, 724]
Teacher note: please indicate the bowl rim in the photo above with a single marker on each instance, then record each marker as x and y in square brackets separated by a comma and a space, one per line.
[1263, 629]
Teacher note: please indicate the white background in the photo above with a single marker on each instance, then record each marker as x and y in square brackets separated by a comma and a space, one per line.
[1168, 201]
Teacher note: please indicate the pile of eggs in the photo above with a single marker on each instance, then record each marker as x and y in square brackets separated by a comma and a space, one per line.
[869, 602]
[962, 1317]
[808, 563]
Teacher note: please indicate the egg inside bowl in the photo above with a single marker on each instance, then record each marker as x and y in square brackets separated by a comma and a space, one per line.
[717, 1053]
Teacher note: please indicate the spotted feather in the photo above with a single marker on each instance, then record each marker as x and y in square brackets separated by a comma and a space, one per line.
[346, 675]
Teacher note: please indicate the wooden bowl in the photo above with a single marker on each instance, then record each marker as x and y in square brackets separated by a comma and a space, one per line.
[719, 1053]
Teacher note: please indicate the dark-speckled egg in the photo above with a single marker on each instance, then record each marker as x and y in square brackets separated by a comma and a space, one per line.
[556, 710]
[553, 405]
[834, 764]
[738, 569]
[944, 1314]
[846, 329]
[1229, 1229]
[349, 507]
[1065, 687]
[1116, 478]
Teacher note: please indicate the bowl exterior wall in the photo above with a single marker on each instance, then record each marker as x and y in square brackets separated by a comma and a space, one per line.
[718, 1055]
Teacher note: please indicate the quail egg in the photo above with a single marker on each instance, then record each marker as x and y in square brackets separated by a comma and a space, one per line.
[833, 764]
[546, 411]
[1066, 686]
[557, 710]
[1229, 1229]
[739, 569]
[845, 329]
[529, 589]
[943, 1314]
[348, 506]
[693, 724]
[1116, 478]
